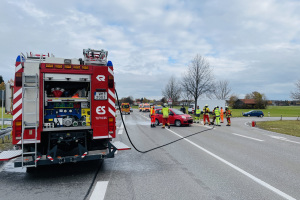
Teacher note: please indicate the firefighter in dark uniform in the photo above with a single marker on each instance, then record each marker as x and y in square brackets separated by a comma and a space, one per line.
[228, 115]
[206, 115]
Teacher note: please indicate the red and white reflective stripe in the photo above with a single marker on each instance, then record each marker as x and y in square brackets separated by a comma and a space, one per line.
[111, 71]
[83, 155]
[111, 96]
[17, 100]
[38, 158]
[50, 158]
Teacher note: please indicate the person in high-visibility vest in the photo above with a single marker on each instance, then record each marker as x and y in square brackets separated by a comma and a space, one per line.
[222, 115]
[165, 111]
[217, 114]
[197, 115]
[228, 115]
[152, 114]
[206, 115]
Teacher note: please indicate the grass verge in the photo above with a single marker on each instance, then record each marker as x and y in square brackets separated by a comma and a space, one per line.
[5, 115]
[288, 127]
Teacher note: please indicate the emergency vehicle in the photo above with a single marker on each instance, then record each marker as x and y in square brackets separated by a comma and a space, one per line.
[141, 107]
[125, 108]
[63, 110]
[146, 107]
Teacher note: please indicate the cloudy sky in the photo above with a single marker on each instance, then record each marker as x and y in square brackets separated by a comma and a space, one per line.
[255, 45]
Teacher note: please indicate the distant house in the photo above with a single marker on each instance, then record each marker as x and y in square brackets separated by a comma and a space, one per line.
[244, 103]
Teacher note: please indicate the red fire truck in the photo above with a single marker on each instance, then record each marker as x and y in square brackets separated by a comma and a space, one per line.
[63, 110]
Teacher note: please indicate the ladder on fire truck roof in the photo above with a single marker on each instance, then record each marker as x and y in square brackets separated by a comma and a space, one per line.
[92, 56]
[30, 82]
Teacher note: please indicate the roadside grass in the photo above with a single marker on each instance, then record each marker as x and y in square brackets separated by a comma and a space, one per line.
[5, 125]
[289, 127]
[274, 111]
[5, 115]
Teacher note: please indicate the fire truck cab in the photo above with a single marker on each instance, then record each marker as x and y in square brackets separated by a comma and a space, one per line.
[63, 109]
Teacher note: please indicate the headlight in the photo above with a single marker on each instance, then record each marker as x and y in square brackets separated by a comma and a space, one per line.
[183, 117]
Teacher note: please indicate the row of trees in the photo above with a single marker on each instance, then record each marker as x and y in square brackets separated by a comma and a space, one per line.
[196, 81]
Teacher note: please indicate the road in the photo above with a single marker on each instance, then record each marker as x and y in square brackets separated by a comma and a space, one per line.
[237, 162]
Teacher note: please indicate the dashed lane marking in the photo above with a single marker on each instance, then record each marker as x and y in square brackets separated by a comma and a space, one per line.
[283, 139]
[248, 137]
[99, 190]
[264, 184]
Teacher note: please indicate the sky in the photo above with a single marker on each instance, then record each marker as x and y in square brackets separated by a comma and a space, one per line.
[255, 45]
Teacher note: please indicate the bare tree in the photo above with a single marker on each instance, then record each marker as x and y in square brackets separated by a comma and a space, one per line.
[296, 94]
[186, 95]
[221, 90]
[198, 79]
[172, 89]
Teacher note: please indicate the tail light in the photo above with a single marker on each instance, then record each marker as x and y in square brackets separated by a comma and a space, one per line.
[18, 79]
[110, 81]
[111, 125]
[18, 129]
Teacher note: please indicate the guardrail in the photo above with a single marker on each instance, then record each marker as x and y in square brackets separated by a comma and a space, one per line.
[5, 135]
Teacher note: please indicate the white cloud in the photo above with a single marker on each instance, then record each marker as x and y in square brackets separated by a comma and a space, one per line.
[253, 44]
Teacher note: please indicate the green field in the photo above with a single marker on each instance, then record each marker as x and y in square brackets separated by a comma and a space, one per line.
[275, 111]
[4, 115]
[285, 126]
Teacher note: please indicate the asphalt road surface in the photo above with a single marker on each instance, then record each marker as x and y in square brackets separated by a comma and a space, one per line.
[236, 162]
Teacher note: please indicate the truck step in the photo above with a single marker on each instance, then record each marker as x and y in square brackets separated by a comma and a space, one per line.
[30, 100]
[30, 113]
[31, 79]
[28, 153]
[8, 155]
[30, 86]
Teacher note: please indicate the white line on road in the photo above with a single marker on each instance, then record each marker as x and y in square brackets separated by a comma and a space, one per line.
[266, 185]
[248, 137]
[99, 190]
[283, 139]
[121, 128]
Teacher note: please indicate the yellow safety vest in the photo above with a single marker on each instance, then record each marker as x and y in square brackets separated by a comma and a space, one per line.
[165, 112]
[217, 112]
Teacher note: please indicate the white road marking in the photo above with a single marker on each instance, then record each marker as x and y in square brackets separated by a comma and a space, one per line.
[121, 128]
[283, 139]
[120, 132]
[99, 190]
[264, 184]
[248, 137]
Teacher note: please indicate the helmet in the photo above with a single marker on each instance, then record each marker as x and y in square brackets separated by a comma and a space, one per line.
[165, 104]
[206, 105]
[217, 106]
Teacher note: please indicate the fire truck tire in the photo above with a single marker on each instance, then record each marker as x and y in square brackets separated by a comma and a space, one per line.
[156, 122]
[177, 123]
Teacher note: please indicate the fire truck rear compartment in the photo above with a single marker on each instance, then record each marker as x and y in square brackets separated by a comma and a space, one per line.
[70, 143]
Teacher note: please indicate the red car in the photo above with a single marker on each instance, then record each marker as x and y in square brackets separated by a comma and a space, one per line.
[176, 117]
